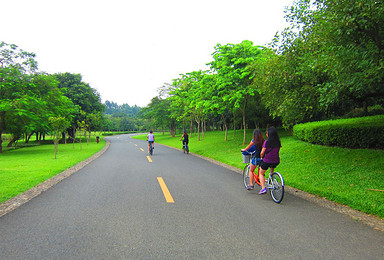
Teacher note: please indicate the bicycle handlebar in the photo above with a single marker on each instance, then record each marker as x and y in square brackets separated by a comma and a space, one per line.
[248, 153]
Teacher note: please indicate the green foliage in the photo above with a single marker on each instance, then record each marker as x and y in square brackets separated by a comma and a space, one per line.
[364, 132]
[121, 117]
[85, 98]
[58, 125]
[116, 110]
[158, 113]
[330, 60]
[27, 98]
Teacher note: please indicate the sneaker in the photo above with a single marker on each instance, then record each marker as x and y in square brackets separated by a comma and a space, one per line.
[250, 188]
[263, 191]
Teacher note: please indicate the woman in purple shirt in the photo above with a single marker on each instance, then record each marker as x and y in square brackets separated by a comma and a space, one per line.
[269, 155]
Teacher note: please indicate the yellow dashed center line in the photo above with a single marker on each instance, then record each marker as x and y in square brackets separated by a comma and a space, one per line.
[149, 158]
[165, 190]
[142, 149]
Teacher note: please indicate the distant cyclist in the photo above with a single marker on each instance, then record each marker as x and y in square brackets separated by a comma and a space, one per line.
[151, 140]
[185, 139]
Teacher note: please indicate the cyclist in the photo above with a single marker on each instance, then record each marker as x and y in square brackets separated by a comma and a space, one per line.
[151, 140]
[270, 155]
[256, 142]
[185, 139]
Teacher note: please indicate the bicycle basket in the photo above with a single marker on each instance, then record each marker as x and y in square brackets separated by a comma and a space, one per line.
[246, 158]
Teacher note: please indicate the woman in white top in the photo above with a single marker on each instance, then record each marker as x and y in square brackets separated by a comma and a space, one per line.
[151, 139]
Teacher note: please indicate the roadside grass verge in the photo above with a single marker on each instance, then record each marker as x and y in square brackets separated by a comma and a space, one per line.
[352, 177]
[24, 168]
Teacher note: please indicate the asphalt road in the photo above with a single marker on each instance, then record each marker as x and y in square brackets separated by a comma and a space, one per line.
[115, 208]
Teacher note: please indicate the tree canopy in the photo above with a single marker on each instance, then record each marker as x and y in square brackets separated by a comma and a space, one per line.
[328, 63]
[29, 98]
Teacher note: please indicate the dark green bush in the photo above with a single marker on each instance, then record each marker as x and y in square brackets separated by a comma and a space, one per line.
[362, 132]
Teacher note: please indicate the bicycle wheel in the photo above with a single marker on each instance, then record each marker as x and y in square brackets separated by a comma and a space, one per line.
[276, 191]
[150, 149]
[246, 176]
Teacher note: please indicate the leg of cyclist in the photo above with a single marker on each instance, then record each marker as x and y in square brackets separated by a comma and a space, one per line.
[262, 180]
[251, 172]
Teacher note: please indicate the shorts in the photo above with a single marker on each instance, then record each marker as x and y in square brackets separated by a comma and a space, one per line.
[265, 165]
[151, 142]
[255, 161]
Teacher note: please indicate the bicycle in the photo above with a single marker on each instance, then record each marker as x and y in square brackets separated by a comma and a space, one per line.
[274, 183]
[151, 147]
[185, 148]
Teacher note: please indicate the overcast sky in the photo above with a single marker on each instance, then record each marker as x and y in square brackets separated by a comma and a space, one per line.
[128, 49]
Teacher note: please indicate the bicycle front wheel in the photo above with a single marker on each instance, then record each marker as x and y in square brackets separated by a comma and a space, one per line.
[246, 174]
[276, 190]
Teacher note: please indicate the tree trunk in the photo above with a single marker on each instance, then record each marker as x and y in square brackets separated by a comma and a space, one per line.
[234, 124]
[203, 128]
[190, 128]
[2, 128]
[225, 127]
[172, 128]
[1, 141]
[244, 126]
[28, 137]
[14, 139]
[198, 130]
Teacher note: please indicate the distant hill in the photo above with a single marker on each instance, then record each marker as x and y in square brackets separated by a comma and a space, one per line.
[115, 110]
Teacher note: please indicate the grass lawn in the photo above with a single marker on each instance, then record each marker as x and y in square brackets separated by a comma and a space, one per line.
[352, 177]
[22, 169]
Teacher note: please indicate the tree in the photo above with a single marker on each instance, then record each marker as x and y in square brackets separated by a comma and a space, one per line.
[58, 125]
[14, 65]
[31, 112]
[329, 61]
[158, 111]
[353, 33]
[82, 95]
[232, 63]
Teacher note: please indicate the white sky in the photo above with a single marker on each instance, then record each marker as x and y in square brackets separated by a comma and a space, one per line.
[128, 49]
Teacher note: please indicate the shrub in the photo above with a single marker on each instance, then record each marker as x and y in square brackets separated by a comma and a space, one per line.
[362, 132]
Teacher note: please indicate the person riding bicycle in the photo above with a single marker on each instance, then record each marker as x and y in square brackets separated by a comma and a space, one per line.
[270, 155]
[256, 142]
[185, 139]
[151, 140]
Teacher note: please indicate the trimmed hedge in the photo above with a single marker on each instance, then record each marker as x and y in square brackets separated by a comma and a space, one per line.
[362, 132]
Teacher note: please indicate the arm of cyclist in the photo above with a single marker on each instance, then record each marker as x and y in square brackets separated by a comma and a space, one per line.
[248, 147]
[262, 153]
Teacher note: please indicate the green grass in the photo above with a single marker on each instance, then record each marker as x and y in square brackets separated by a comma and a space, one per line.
[24, 168]
[346, 176]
